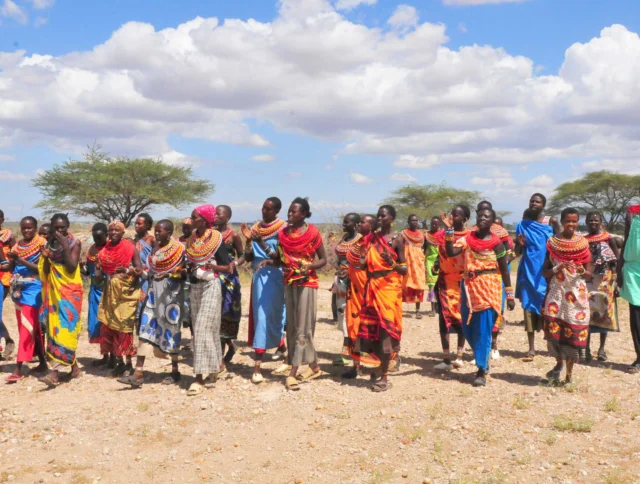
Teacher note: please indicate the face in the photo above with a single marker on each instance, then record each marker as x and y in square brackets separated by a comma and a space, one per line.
[140, 226]
[269, 212]
[44, 230]
[366, 225]
[1, 220]
[115, 234]
[349, 224]
[186, 230]
[536, 204]
[459, 218]
[435, 225]
[385, 219]
[199, 223]
[485, 219]
[222, 217]
[296, 214]
[99, 236]
[60, 226]
[28, 229]
[162, 232]
[570, 223]
[414, 223]
[594, 222]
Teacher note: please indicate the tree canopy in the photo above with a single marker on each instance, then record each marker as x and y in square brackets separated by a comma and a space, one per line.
[109, 188]
[604, 191]
[427, 201]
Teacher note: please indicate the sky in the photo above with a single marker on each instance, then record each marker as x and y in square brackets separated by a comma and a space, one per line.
[341, 101]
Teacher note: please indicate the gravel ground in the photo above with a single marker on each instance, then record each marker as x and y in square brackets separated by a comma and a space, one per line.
[431, 427]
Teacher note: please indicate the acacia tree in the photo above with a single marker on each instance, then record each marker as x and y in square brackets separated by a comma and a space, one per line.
[609, 193]
[429, 200]
[109, 188]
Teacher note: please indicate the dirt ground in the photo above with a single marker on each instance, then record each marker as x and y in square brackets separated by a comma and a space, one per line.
[431, 427]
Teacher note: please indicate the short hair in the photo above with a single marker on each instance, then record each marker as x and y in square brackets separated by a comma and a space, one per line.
[304, 203]
[167, 222]
[374, 220]
[465, 209]
[389, 208]
[355, 216]
[544, 199]
[436, 217]
[413, 215]
[60, 216]
[100, 226]
[594, 212]
[277, 203]
[227, 209]
[484, 202]
[148, 221]
[569, 211]
[29, 218]
[1, 214]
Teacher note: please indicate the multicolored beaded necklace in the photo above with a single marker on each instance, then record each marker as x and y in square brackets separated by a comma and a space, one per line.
[575, 249]
[342, 248]
[167, 259]
[5, 235]
[601, 237]
[413, 237]
[24, 249]
[269, 230]
[201, 249]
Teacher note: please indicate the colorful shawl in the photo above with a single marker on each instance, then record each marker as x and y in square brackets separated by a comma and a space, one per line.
[95, 294]
[415, 280]
[355, 293]
[113, 257]
[449, 278]
[6, 240]
[26, 287]
[231, 294]
[297, 249]
[430, 261]
[602, 288]
[531, 287]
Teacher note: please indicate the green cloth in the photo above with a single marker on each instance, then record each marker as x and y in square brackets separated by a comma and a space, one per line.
[631, 271]
[430, 262]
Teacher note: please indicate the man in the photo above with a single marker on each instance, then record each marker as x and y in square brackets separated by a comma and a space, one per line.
[531, 287]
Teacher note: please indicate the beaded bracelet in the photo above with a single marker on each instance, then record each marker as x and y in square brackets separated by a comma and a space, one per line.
[510, 295]
[449, 238]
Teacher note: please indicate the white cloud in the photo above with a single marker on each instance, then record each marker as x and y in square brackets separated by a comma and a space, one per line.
[351, 4]
[11, 10]
[479, 2]
[404, 18]
[176, 158]
[6, 157]
[360, 178]
[42, 4]
[9, 176]
[263, 158]
[462, 27]
[403, 177]
[40, 21]
[416, 162]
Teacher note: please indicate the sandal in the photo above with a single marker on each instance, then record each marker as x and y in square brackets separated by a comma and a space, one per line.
[418, 316]
[602, 355]
[309, 374]
[257, 378]
[394, 365]
[292, 384]
[282, 370]
[131, 380]
[380, 387]
[530, 356]
[195, 389]
[277, 356]
[172, 379]
[49, 381]
[119, 370]
[634, 368]
[14, 378]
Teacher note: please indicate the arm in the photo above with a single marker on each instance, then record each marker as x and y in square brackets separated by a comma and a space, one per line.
[222, 262]
[548, 271]
[72, 256]
[506, 276]
[451, 250]
[237, 247]
[401, 266]
[555, 225]
[321, 261]
[614, 249]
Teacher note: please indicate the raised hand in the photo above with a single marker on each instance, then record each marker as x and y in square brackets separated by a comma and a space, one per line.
[447, 219]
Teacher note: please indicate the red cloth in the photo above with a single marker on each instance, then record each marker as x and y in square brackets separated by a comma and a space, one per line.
[634, 209]
[29, 332]
[115, 342]
[208, 212]
[112, 257]
[479, 245]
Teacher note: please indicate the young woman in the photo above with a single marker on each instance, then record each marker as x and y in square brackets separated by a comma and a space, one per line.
[602, 288]
[267, 314]
[380, 330]
[350, 238]
[26, 293]
[62, 295]
[206, 259]
[119, 265]
[7, 241]
[566, 306]
[231, 288]
[415, 280]
[629, 277]
[485, 261]
[144, 246]
[160, 323]
[431, 261]
[99, 234]
[448, 288]
[302, 254]
[357, 280]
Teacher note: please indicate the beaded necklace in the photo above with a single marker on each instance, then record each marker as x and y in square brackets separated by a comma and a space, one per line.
[5, 235]
[345, 245]
[601, 237]
[167, 259]
[413, 237]
[93, 257]
[266, 231]
[28, 249]
[575, 249]
[227, 236]
[201, 249]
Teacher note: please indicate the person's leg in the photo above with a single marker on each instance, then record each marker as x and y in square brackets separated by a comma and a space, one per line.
[634, 323]
[570, 363]
[553, 347]
[480, 327]
[587, 353]
[444, 340]
[602, 354]
[418, 315]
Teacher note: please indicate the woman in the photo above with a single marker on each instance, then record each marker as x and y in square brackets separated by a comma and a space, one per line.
[380, 331]
[62, 295]
[160, 323]
[415, 280]
[351, 237]
[300, 245]
[206, 258]
[602, 288]
[431, 261]
[120, 268]
[629, 277]
[99, 234]
[267, 314]
[7, 241]
[231, 288]
[144, 246]
[485, 269]
[448, 288]
[566, 306]
[357, 277]
[26, 293]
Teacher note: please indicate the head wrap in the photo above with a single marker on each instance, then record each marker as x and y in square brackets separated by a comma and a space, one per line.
[187, 221]
[116, 224]
[208, 212]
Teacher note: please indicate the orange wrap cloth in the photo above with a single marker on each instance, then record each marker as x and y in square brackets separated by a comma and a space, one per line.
[355, 294]
[416, 278]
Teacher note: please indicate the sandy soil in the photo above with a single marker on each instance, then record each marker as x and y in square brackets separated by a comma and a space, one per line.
[430, 427]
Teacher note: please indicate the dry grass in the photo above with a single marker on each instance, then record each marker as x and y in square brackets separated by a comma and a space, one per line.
[567, 424]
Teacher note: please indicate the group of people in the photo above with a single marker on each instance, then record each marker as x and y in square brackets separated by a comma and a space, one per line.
[143, 293]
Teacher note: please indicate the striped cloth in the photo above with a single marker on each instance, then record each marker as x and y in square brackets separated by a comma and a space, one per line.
[206, 313]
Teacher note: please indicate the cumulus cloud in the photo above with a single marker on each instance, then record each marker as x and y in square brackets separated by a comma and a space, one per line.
[11, 10]
[351, 4]
[42, 4]
[263, 158]
[404, 177]
[176, 158]
[400, 92]
[360, 178]
[9, 176]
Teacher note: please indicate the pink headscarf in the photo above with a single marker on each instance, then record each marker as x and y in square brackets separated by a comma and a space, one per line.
[208, 212]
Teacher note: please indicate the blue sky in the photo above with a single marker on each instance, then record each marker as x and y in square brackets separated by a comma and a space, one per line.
[322, 100]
